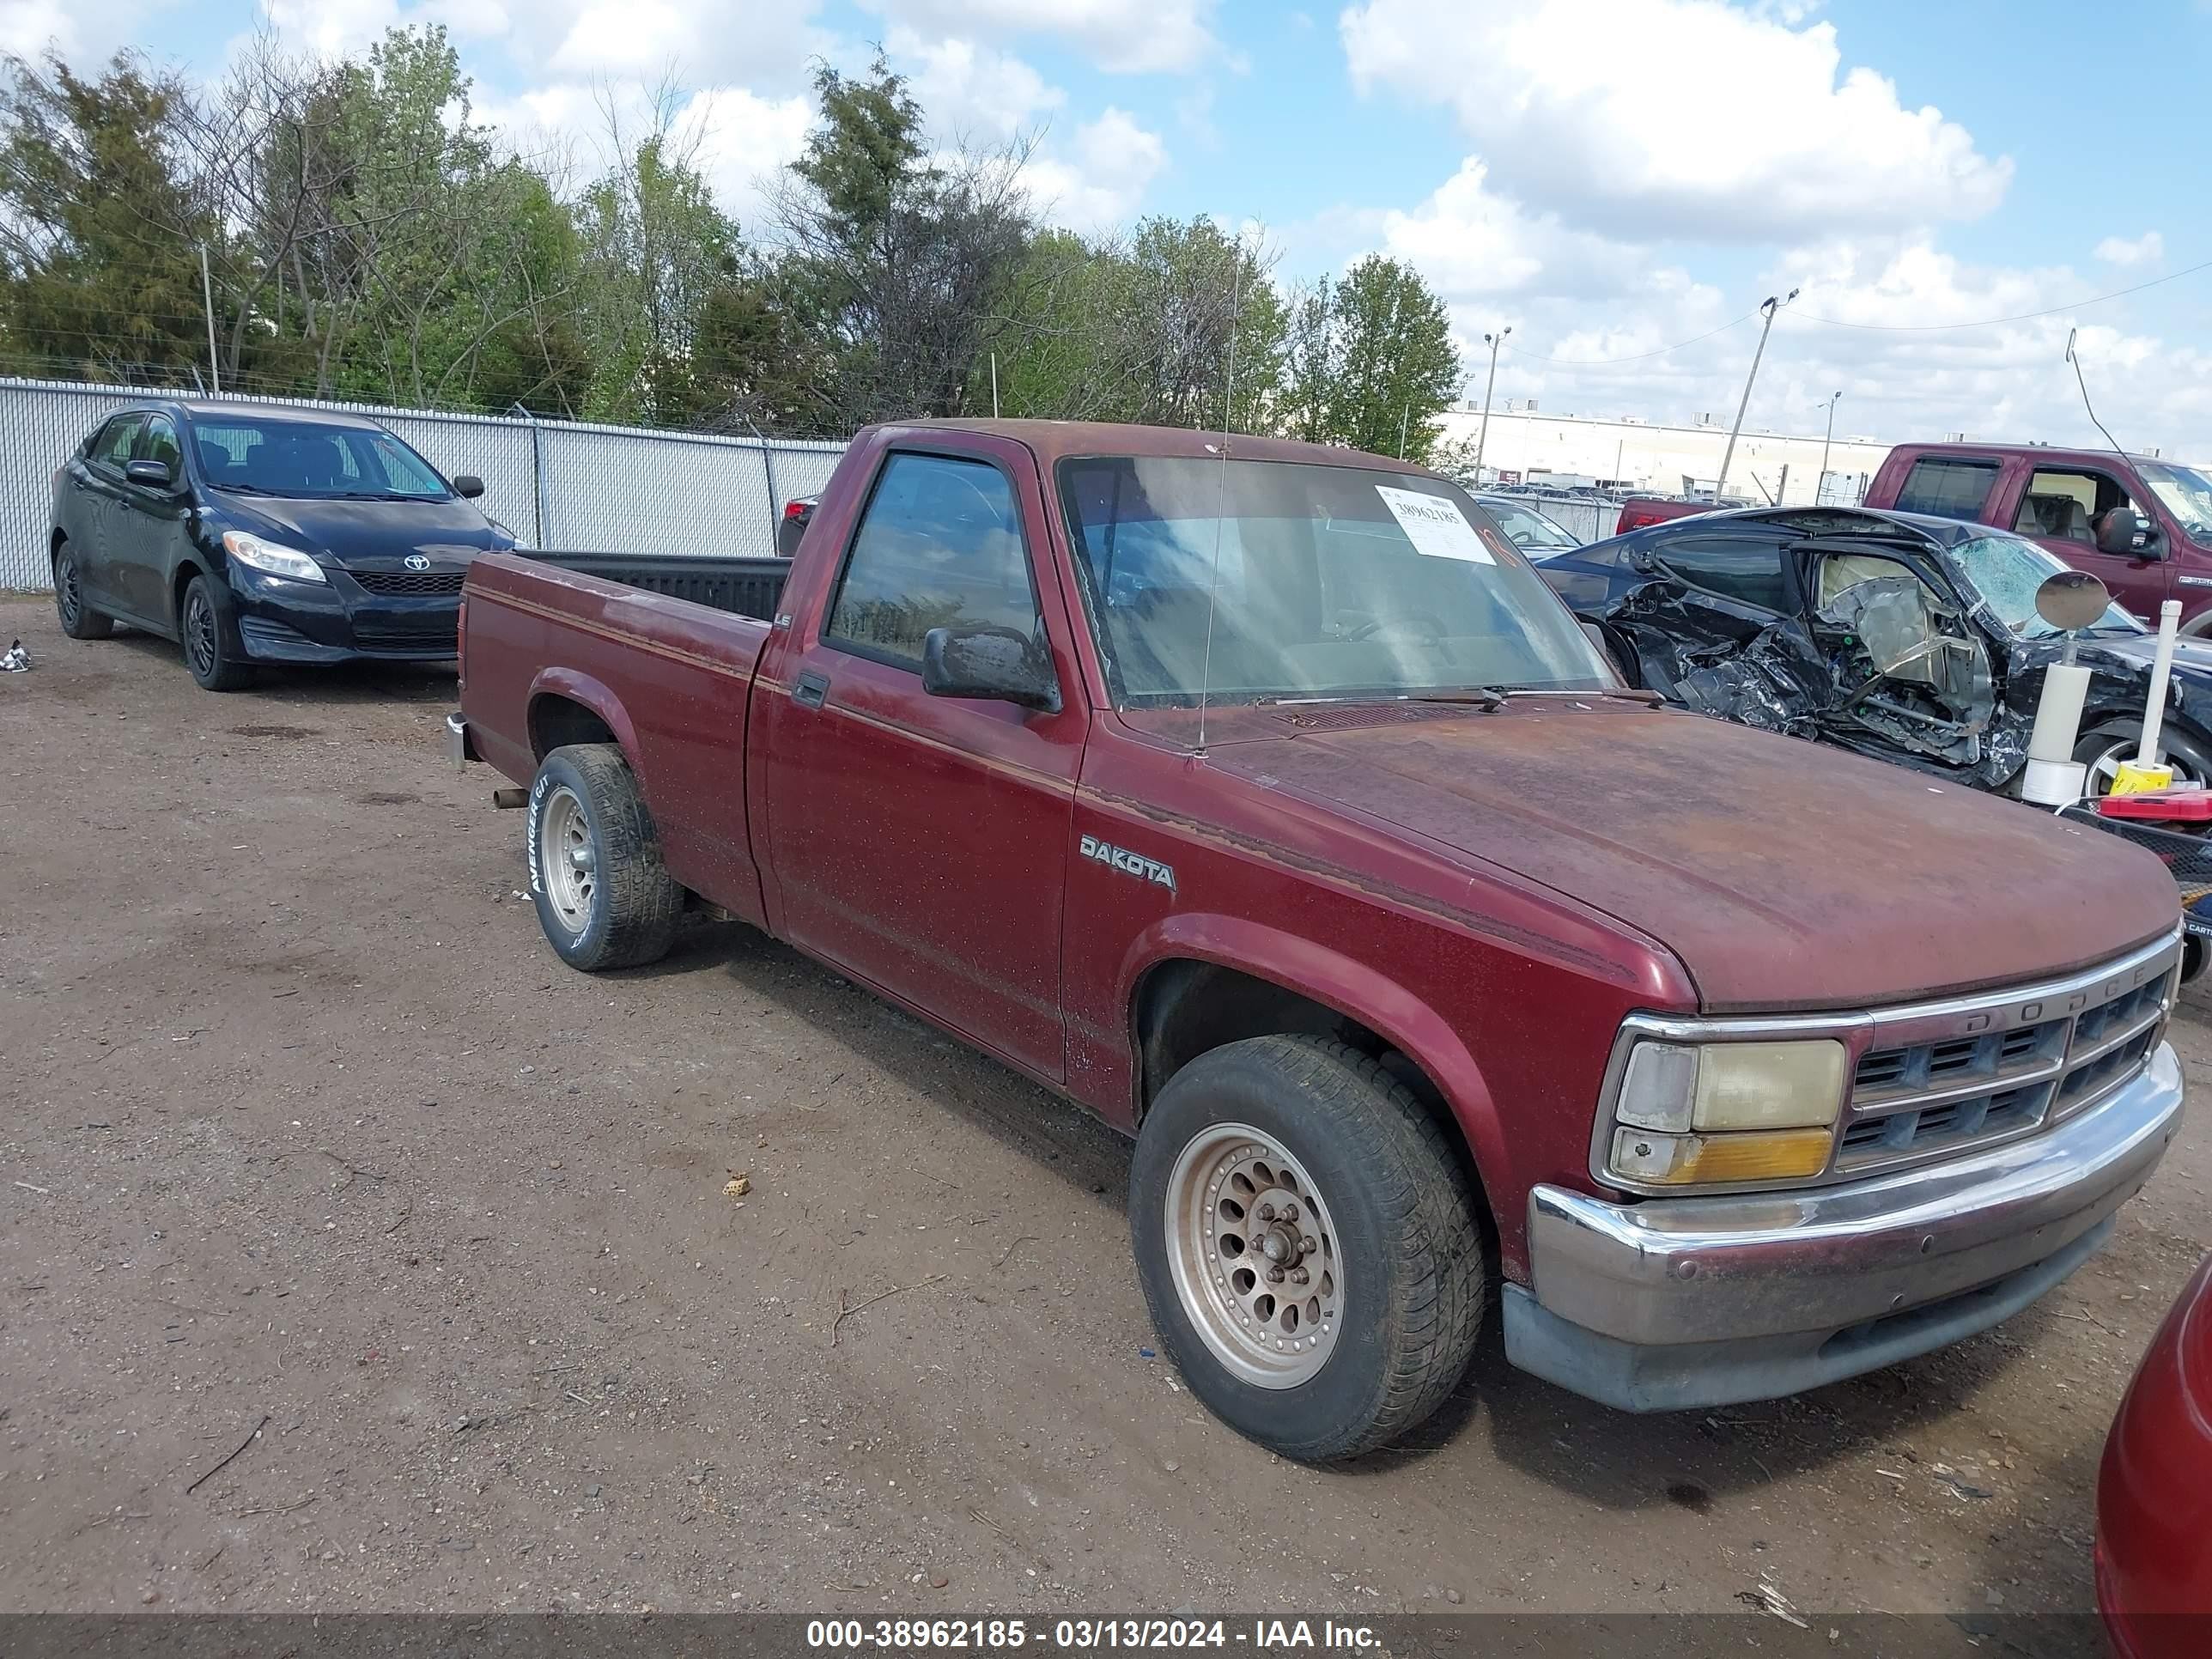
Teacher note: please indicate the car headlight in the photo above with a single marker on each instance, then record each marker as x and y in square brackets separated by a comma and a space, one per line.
[1695, 1114]
[271, 558]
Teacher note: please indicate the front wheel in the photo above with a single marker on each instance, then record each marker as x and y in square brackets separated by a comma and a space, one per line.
[79, 620]
[2103, 751]
[212, 652]
[604, 897]
[1307, 1245]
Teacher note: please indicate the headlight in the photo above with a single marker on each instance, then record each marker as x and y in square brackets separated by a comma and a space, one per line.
[1700, 1113]
[271, 557]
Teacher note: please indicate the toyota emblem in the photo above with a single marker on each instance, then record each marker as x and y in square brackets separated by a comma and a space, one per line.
[416, 562]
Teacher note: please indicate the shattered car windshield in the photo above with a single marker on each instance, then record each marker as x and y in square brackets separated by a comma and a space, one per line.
[2183, 491]
[2004, 571]
[1266, 579]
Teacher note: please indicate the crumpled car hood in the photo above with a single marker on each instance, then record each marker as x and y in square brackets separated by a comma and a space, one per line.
[1783, 875]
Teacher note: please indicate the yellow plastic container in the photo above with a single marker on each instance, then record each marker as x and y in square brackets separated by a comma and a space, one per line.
[2134, 780]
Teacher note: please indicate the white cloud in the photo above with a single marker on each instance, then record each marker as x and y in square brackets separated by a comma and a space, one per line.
[85, 31]
[331, 27]
[1101, 182]
[1469, 241]
[1687, 118]
[971, 90]
[743, 142]
[2147, 249]
[1120, 36]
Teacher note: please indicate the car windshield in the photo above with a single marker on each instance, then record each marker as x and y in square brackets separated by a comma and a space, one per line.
[2183, 491]
[2005, 571]
[1259, 580]
[310, 459]
[1530, 531]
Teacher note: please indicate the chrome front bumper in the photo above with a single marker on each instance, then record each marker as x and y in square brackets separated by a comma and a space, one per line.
[1685, 1302]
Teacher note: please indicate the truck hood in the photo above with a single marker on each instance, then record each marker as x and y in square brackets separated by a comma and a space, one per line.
[1784, 876]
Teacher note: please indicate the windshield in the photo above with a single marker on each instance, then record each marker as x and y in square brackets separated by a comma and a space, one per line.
[1530, 531]
[309, 459]
[2183, 491]
[1324, 582]
[2005, 571]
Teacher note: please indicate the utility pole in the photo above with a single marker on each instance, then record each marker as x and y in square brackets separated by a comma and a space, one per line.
[1404, 415]
[1821, 484]
[207, 295]
[994, 386]
[1482, 437]
[1770, 305]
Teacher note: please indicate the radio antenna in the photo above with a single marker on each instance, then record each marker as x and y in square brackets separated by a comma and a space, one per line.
[1221, 485]
[2073, 357]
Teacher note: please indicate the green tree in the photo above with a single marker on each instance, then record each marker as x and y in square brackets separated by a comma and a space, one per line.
[1371, 361]
[99, 272]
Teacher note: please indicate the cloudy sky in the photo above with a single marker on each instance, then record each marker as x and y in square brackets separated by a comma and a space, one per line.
[1613, 178]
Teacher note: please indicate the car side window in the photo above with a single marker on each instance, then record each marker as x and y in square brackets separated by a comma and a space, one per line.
[1744, 567]
[115, 441]
[2065, 503]
[159, 443]
[1947, 487]
[939, 546]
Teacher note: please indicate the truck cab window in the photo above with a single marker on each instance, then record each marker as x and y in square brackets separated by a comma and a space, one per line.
[2065, 504]
[1947, 487]
[939, 546]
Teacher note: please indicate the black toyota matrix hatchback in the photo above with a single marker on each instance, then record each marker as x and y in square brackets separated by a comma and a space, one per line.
[255, 533]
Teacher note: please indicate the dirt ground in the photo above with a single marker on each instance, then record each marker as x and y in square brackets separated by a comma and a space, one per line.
[306, 1128]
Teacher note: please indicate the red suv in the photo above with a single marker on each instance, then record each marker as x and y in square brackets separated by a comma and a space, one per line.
[2144, 526]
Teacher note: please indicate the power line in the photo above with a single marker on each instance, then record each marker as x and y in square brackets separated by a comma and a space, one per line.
[2021, 317]
[1640, 356]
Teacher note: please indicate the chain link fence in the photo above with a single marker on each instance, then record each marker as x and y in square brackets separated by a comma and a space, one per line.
[557, 484]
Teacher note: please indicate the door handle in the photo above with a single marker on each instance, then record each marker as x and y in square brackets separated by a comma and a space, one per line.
[812, 690]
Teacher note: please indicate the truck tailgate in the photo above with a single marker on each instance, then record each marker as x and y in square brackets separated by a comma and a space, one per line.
[553, 656]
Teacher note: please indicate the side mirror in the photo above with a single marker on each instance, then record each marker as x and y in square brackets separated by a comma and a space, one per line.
[149, 475]
[995, 663]
[2126, 532]
[467, 485]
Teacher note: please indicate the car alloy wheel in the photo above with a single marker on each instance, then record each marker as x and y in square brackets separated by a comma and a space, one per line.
[568, 863]
[1253, 1253]
[69, 593]
[2105, 765]
[200, 639]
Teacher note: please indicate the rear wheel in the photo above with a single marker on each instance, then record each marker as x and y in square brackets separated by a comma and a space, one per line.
[1307, 1245]
[79, 620]
[210, 634]
[604, 897]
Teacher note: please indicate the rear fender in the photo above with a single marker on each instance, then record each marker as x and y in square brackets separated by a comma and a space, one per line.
[591, 694]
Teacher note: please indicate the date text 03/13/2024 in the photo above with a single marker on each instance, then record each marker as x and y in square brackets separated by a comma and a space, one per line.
[1082, 1635]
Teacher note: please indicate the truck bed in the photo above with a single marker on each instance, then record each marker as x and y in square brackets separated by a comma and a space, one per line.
[743, 587]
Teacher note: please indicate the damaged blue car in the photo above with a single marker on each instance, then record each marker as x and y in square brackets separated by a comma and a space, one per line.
[1909, 638]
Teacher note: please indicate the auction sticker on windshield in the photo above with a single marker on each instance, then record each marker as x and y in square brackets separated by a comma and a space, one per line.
[1434, 525]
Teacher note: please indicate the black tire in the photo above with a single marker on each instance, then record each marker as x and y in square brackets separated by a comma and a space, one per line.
[630, 913]
[209, 631]
[2192, 959]
[2185, 755]
[79, 620]
[1406, 1236]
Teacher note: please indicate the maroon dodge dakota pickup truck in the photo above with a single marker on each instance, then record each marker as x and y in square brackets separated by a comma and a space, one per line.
[1261, 799]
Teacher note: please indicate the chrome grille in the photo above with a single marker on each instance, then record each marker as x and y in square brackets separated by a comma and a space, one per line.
[1944, 1077]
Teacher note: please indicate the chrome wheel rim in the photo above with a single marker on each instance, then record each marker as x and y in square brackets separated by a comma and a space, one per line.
[1253, 1254]
[2106, 766]
[568, 863]
[200, 633]
[66, 594]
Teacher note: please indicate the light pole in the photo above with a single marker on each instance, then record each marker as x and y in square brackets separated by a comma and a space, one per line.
[1770, 305]
[1482, 437]
[1821, 483]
